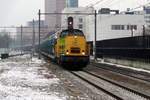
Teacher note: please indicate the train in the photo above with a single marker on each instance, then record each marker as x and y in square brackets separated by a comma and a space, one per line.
[67, 47]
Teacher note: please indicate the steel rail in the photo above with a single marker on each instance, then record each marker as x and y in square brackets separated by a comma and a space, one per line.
[109, 81]
[98, 87]
[119, 85]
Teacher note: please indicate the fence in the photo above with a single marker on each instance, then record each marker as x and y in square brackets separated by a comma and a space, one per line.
[17, 40]
[132, 48]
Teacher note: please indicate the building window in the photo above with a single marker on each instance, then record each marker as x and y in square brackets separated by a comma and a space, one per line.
[147, 21]
[117, 27]
[80, 20]
[130, 27]
[80, 26]
[147, 17]
[147, 10]
[122, 27]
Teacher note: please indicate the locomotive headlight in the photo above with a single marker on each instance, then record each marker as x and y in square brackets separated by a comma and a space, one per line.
[75, 36]
[67, 52]
[83, 53]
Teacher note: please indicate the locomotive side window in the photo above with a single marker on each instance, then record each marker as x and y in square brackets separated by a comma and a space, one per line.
[64, 33]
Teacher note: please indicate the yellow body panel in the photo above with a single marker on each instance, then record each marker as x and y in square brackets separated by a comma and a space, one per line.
[75, 42]
[72, 46]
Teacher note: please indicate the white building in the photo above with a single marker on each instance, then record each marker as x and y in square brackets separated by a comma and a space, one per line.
[110, 26]
[54, 6]
[147, 16]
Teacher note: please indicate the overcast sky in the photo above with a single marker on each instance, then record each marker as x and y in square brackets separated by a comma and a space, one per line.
[17, 12]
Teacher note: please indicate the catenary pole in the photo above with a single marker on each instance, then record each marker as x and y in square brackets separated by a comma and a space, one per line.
[95, 36]
[21, 39]
[33, 42]
[39, 32]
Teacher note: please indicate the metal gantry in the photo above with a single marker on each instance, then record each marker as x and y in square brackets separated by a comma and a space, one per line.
[95, 29]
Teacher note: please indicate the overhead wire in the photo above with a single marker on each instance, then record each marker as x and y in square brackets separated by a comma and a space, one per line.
[113, 3]
[129, 10]
[100, 1]
[132, 9]
[106, 3]
[140, 6]
[96, 3]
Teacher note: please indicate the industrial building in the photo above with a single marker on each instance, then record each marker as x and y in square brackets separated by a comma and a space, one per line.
[111, 26]
[54, 6]
[110, 23]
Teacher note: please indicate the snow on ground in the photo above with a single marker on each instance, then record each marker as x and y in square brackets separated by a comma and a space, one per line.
[123, 66]
[22, 78]
[117, 65]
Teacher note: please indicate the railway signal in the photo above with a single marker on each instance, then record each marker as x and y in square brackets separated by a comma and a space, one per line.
[70, 22]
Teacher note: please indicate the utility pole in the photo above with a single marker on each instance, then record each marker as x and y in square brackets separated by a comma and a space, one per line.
[21, 38]
[33, 39]
[39, 32]
[95, 38]
[132, 30]
[143, 30]
[8, 41]
[143, 36]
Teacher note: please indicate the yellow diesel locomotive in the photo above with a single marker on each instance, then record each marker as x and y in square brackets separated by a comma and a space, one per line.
[68, 47]
[71, 47]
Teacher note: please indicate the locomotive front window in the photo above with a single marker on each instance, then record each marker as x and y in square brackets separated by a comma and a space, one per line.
[78, 33]
[71, 33]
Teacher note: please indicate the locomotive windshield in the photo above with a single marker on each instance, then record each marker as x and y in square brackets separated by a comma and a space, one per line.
[73, 32]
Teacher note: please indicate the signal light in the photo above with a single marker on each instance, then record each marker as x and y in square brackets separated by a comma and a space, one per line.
[70, 23]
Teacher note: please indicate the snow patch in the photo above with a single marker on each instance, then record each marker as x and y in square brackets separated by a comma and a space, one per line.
[137, 69]
[19, 93]
[25, 79]
[36, 60]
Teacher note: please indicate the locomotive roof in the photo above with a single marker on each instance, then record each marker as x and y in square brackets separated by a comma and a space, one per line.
[72, 29]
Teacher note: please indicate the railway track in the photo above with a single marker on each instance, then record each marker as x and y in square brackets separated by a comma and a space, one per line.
[124, 71]
[109, 87]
